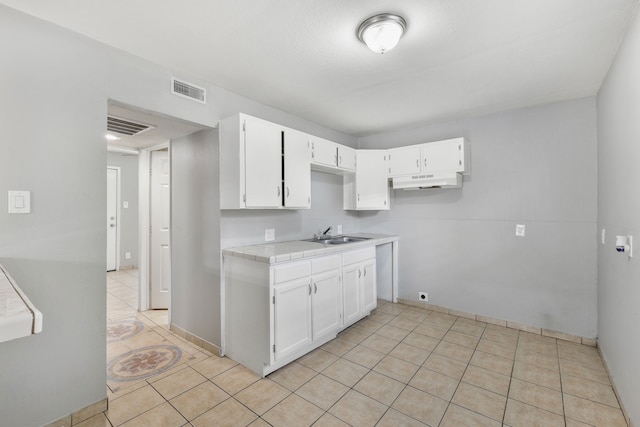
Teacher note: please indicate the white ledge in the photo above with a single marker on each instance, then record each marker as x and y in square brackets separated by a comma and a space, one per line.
[18, 316]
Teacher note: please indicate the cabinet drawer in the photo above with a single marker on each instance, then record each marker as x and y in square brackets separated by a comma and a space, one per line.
[323, 264]
[295, 270]
[358, 255]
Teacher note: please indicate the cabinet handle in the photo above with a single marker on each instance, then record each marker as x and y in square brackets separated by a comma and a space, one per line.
[315, 285]
[287, 191]
[359, 273]
[339, 160]
[425, 162]
[365, 271]
[358, 196]
[417, 163]
[278, 191]
[309, 288]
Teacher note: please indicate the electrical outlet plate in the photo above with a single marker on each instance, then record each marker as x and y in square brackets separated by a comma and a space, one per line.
[269, 234]
[339, 229]
[520, 230]
[423, 296]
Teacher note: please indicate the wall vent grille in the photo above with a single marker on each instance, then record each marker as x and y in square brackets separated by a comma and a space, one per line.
[126, 127]
[188, 90]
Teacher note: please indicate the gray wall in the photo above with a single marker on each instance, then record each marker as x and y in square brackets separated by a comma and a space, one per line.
[195, 236]
[55, 89]
[128, 165]
[534, 166]
[619, 214]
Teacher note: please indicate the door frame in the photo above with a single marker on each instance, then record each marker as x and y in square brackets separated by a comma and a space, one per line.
[118, 213]
[144, 223]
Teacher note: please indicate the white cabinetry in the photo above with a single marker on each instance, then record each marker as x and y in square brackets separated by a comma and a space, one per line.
[327, 156]
[451, 155]
[275, 314]
[252, 171]
[292, 316]
[359, 292]
[368, 188]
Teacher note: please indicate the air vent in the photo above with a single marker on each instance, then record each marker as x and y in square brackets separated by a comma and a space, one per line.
[126, 127]
[188, 90]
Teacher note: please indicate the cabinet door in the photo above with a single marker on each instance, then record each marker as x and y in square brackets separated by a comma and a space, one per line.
[325, 307]
[442, 156]
[324, 152]
[297, 171]
[346, 158]
[404, 161]
[351, 300]
[263, 163]
[371, 182]
[292, 316]
[369, 289]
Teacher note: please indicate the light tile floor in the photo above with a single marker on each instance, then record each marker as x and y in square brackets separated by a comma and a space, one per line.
[402, 366]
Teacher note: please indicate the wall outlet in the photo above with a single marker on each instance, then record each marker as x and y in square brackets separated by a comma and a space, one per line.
[125, 205]
[127, 255]
[269, 234]
[339, 229]
[423, 296]
[520, 230]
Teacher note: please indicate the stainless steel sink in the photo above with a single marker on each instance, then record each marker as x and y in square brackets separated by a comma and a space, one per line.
[338, 240]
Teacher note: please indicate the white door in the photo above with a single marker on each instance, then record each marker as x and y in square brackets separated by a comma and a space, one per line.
[325, 303]
[160, 252]
[297, 170]
[112, 219]
[292, 316]
[263, 163]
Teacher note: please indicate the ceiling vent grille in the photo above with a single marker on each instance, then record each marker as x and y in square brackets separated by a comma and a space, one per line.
[126, 127]
[188, 90]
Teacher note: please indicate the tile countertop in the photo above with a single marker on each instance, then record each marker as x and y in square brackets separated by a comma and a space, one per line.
[18, 316]
[273, 253]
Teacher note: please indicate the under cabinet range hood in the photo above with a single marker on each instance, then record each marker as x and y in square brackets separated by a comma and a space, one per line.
[432, 180]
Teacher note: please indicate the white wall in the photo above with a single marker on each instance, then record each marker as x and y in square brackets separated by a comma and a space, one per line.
[128, 165]
[534, 166]
[619, 213]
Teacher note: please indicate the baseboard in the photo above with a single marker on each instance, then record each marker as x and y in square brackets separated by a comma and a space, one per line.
[500, 322]
[81, 415]
[615, 389]
[196, 340]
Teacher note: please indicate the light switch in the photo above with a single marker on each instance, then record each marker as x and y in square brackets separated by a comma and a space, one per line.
[19, 202]
[125, 205]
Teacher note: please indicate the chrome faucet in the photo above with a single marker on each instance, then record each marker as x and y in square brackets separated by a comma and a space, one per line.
[322, 235]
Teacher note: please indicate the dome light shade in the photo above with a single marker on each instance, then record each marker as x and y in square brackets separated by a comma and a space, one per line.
[382, 32]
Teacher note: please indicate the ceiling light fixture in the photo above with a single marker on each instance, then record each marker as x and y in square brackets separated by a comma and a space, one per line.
[382, 32]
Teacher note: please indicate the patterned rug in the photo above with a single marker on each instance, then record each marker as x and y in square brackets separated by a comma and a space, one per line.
[143, 363]
[123, 329]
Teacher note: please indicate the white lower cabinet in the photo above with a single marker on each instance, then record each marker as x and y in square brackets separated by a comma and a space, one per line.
[292, 317]
[359, 290]
[277, 313]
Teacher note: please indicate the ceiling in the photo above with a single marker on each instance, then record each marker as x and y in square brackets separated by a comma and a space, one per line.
[457, 58]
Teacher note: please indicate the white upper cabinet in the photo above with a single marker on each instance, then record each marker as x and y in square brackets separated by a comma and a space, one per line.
[404, 160]
[263, 160]
[368, 187]
[451, 155]
[327, 156]
[253, 174]
[346, 158]
[297, 170]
